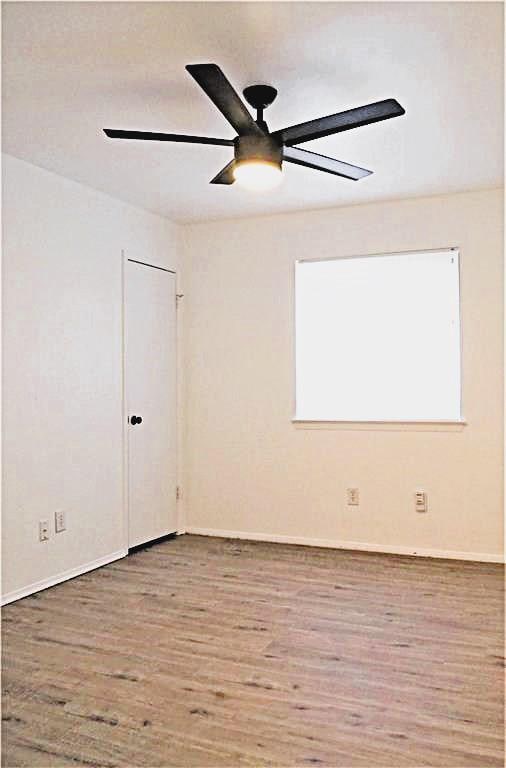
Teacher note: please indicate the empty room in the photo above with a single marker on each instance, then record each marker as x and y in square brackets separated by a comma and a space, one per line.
[252, 384]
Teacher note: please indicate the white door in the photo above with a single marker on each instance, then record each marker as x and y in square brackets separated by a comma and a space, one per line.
[150, 389]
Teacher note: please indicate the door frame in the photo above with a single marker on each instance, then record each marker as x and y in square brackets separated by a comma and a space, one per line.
[124, 405]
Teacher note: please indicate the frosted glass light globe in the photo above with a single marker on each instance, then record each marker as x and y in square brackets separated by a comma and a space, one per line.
[258, 175]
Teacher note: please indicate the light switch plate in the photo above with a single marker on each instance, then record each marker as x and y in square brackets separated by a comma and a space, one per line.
[59, 521]
[420, 501]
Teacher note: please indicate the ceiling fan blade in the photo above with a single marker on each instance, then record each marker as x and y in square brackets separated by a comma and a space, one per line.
[323, 163]
[342, 121]
[212, 80]
[148, 136]
[226, 175]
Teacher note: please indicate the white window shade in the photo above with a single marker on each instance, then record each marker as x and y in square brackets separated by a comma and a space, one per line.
[378, 338]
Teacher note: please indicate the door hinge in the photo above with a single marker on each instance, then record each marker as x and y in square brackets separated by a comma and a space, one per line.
[179, 296]
[178, 493]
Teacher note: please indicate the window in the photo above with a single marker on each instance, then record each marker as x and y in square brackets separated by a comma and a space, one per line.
[378, 338]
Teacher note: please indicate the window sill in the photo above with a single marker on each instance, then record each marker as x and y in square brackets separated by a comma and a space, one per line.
[392, 425]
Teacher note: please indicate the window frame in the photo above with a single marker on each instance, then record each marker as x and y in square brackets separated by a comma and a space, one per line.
[383, 424]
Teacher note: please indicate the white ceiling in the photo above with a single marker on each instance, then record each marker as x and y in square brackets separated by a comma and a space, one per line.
[71, 68]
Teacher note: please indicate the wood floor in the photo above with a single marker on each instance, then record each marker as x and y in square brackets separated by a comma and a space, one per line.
[211, 652]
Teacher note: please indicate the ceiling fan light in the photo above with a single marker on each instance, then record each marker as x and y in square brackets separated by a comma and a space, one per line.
[258, 175]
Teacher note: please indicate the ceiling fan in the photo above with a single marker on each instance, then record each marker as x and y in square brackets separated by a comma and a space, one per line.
[258, 153]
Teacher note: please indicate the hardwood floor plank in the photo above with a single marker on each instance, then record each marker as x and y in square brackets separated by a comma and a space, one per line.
[210, 652]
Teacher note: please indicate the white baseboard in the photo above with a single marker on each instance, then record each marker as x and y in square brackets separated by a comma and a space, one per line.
[361, 546]
[37, 586]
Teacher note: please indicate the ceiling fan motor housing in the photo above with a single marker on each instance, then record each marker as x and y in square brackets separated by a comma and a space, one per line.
[258, 148]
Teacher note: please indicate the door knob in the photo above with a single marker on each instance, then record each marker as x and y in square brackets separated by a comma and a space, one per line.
[136, 420]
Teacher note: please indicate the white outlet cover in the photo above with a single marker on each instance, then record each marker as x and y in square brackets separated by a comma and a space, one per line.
[44, 530]
[353, 497]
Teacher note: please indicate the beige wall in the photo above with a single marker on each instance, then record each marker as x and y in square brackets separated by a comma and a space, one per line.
[62, 368]
[249, 470]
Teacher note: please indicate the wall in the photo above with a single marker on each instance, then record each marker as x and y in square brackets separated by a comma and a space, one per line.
[62, 363]
[250, 471]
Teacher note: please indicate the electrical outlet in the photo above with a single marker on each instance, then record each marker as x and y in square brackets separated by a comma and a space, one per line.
[421, 501]
[59, 521]
[43, 530]
[352, 497]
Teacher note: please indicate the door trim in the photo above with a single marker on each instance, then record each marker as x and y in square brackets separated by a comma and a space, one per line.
[124, 413]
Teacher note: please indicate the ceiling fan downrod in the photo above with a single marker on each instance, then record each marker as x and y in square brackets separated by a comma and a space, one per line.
[260, 97]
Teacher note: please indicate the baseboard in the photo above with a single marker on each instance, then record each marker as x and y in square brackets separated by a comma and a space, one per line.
[361, 546]
[484, 557]
[37, 586]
